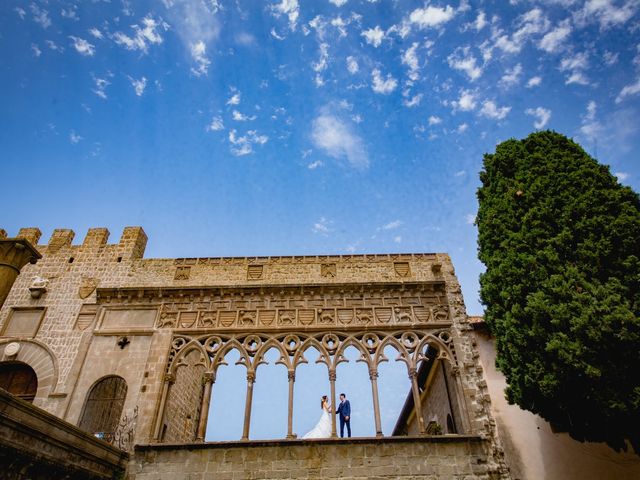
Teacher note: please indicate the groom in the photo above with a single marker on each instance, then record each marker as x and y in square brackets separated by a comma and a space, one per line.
[344, 410]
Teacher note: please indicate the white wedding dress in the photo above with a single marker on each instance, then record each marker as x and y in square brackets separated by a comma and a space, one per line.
[322, 428]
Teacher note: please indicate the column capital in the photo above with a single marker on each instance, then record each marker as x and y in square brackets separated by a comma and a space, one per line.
[208, 377]
[373, 373]
[332, 375]
[169, 378]
[251, 377]
[413, 372]
[291, 375]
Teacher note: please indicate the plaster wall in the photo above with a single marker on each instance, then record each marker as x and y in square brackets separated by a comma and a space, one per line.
[533, 451]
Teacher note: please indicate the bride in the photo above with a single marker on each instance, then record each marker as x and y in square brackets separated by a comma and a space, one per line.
[323, 427]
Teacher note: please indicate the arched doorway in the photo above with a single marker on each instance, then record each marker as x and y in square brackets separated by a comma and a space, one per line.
[19, 379]
[103, 407]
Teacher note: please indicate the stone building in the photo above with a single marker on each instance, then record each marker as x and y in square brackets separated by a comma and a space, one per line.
[127, 349]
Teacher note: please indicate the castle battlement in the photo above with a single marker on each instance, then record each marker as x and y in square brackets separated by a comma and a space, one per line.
[131, 245]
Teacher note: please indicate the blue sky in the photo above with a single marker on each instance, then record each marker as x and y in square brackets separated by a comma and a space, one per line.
[299, 127]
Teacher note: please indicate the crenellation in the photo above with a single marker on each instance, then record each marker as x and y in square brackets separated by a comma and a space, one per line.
[96, 238]
[133, 242]
[31, 234]
[61, 237]
[3, 233]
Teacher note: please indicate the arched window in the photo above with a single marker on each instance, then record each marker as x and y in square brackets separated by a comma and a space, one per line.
[103, 407]
[19, 379]
[451, 428]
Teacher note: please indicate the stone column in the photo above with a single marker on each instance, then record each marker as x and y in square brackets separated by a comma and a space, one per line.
[417, 402]
[169, 379]
[292, 379]
[332, 381]
[208, 379]
[15, 253]
[251, 378]
[373, 376]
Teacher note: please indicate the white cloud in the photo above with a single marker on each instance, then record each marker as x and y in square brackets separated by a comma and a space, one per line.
[629, 90]
[392, 225]
[383, 85]
[470, 218]
[40, 16]
[54, 46]
[481, 21]
[529, 24]
[413, 101]
[338, 3]
[575, 65]
[466, 102]
[374, 36]
[234, 99]
[460, 173]
[322, 227]
[21, 12]
[410, 59]
[101, 86]
[199, 55]
[148, 34]
[290, 8]
[463, 127]
[216, 125]
[82, 46]
[322, 63]
[243, 145]
[621, 176]
[314, 165]
[541, 114]
[74, 137]
[36, 51]
[606, 13]
[96, 33]
[610, 58]
[433, 120]
[491, 110]
[534, 82]
[240, 117]
[71, 13]
[338, 140]
[397, 239]
[352, 65]
[431, 16]
[591, 128]
[461, 59]
[138, 85]
[197, 26]
[553, 40]
[512, 76]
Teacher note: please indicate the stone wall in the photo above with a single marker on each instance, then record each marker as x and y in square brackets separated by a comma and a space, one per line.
[450, 457]
[180, 420]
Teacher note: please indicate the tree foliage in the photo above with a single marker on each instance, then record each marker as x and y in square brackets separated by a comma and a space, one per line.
[560, 238]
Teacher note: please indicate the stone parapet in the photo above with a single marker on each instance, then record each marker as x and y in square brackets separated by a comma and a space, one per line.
[436, 457]
[37, 445]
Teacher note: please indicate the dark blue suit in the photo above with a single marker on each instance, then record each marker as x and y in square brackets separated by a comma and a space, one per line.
[344, 410]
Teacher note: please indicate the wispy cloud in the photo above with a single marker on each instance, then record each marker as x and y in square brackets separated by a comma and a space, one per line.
[338, 139]
[392, 225]
[541, 114]
[216, 124]
[321, 227]
[138, 85]
[82, 46]
[382, 85]
[74, 138]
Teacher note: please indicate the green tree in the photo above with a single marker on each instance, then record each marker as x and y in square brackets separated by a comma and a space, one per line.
[560, 239]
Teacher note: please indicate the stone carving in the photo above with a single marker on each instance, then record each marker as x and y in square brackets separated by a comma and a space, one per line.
[87, 286]
[328, 270]
[288, 310]
[38, 286]
[401, 268]
[254, 272]
[182, 273]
